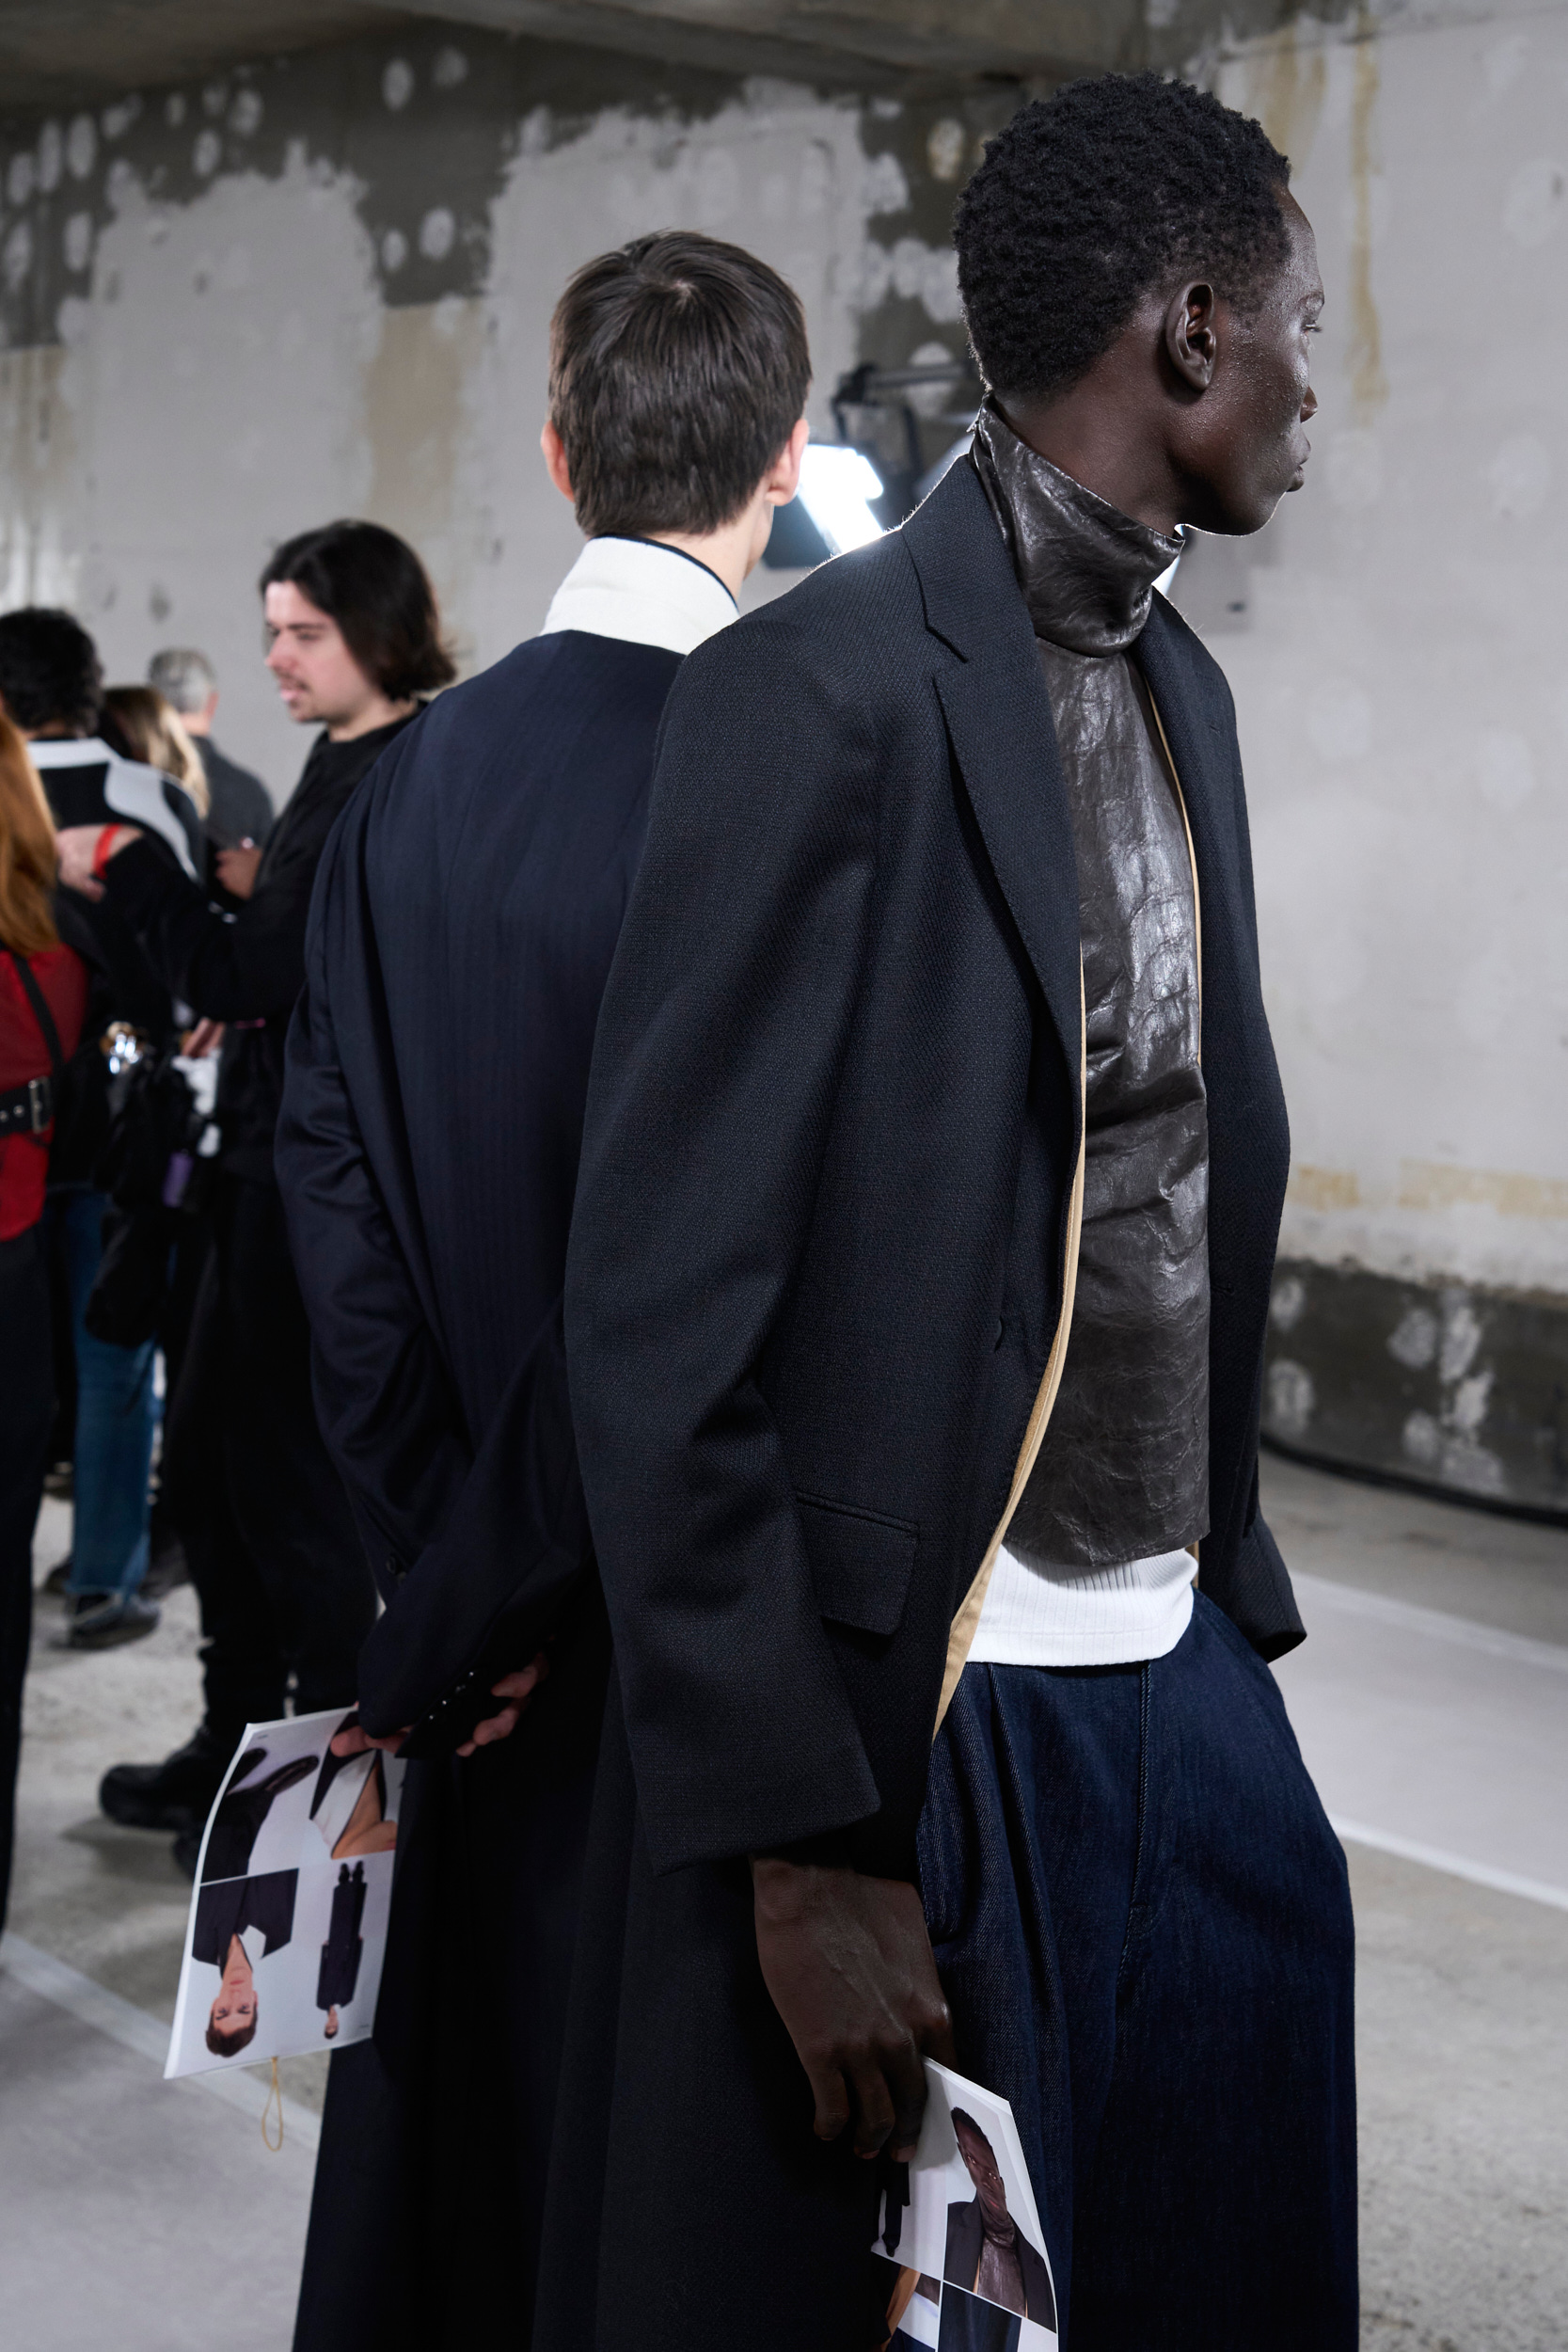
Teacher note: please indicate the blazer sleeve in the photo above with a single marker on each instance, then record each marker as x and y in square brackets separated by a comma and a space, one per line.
[719, 1040]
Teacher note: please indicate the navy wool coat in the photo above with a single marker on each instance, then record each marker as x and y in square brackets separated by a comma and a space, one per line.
[465, 919]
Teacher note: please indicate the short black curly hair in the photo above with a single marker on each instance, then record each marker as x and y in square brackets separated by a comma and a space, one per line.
[1089, 197]
[50, 674]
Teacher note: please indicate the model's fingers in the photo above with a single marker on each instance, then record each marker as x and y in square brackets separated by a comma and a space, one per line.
[831, 2095]
[354, 1741]
[873, 2105]
[517, 1686]
[494, 1727]
[905, 2079]
[934, 2034]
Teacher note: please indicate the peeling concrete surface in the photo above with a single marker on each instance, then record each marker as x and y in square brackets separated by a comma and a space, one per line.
[1393, 642]
[320, 283]
[1443, 1384]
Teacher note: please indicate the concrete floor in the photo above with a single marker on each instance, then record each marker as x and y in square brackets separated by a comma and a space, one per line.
[1430, 1702]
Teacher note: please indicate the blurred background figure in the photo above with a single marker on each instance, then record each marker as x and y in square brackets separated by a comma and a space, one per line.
[51, 688]
[240, 807]
[285, 1588]
[144, 726]
[43, 998]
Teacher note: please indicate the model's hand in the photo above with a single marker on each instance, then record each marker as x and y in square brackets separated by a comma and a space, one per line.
[237, 869]
[517, 1689]
[848, 1961]
[356, 1739]
[203, 1040]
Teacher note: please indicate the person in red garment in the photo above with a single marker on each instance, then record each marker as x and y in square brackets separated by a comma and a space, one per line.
[43, 996]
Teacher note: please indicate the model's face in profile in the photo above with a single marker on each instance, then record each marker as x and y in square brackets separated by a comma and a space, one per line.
[1247, 436]
[317, 679]
[981, 2166]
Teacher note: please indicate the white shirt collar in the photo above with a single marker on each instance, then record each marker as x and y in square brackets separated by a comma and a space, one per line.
[644, 593]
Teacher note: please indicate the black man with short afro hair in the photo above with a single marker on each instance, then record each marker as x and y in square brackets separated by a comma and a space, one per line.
[1090, 198]
[915, 1308]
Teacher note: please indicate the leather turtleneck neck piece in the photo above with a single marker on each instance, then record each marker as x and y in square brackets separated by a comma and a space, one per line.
[1122, 1474]
[1087, 571]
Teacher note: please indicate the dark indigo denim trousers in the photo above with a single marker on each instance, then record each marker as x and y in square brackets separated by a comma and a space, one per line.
[1143, 1924]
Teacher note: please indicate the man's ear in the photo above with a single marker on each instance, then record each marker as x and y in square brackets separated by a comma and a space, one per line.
[1192, 337]
[783, 478]
[555, 460]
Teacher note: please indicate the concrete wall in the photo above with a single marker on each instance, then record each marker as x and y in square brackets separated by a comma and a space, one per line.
[321, 285]
[1395, 644]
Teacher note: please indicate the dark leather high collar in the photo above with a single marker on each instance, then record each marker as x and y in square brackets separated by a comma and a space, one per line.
[1086, 570]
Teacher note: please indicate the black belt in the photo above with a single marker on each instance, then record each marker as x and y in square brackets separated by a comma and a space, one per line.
[27, 1110]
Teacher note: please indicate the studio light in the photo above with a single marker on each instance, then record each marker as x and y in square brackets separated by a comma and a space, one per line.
[835, 484]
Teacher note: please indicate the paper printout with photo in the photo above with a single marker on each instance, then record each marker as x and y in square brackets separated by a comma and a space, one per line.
[971, 2231]
[294, 1886]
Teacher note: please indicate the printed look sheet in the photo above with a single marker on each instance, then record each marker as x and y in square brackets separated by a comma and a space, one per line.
[288, 1924]
[967, 2263]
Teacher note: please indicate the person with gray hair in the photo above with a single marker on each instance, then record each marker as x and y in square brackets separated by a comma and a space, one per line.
[241, 812]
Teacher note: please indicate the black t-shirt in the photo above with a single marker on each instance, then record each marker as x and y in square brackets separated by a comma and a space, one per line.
[241, 806]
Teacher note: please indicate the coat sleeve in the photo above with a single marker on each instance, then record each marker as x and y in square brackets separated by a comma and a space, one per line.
[383, 1393]
[716, 1060]
[478, 1551]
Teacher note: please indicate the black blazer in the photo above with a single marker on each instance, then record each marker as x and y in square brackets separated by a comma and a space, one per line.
[464, 920]
[965, 2233]
[227, 1910]
[818, 1259]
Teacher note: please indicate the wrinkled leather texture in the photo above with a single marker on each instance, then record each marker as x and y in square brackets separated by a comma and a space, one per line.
[1123, 1471]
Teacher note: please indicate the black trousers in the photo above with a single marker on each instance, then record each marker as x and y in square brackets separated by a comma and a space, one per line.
[1143, 1924]
[286, 1593]
[26, 1406]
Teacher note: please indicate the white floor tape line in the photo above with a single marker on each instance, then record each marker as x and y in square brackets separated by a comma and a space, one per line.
[1456, 1866]
[1349, 1600]
[133, 2030]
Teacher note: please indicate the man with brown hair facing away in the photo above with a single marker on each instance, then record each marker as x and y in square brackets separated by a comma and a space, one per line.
[467, 916]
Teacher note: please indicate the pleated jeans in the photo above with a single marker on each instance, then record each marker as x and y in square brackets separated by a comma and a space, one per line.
[1142, 1921]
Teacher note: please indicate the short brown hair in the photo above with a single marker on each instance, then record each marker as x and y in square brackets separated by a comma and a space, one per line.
[231, 2044]
[678, 370]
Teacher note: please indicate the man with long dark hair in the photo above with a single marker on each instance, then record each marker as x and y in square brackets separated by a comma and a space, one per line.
[915, 1311]
[286, 1593]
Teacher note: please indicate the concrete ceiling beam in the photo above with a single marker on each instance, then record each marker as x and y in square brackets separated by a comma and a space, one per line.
[55, 52]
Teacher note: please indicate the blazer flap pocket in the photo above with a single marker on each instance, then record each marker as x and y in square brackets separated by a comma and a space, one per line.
[860, 1563]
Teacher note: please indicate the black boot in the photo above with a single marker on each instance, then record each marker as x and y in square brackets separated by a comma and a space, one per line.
[176, 1794]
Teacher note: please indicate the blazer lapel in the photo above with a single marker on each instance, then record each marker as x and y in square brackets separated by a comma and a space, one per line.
[999, 722]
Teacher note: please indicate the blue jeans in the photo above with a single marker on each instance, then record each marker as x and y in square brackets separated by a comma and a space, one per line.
[1142, 1921]
[116, 1412]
